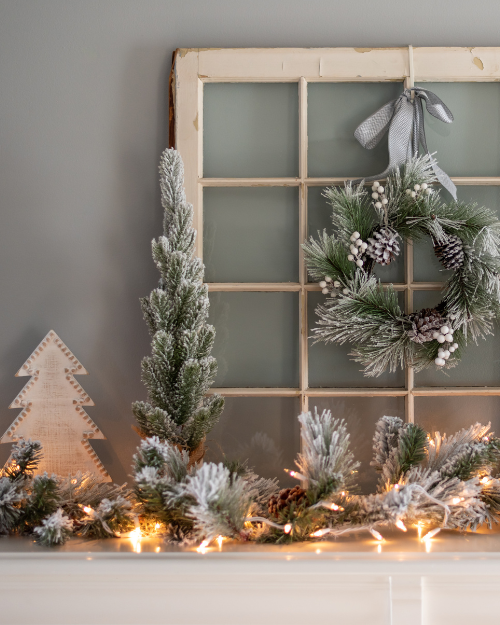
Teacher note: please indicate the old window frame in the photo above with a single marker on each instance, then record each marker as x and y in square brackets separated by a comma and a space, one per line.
[192, 68]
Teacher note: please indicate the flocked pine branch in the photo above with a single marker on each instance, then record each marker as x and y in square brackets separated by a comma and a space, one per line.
[54, 530]
[180, 370]
[326, 461]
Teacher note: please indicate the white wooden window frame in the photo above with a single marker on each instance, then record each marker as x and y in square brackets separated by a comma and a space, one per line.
[193, 67]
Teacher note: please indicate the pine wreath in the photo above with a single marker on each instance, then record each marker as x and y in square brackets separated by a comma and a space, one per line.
[370, 228]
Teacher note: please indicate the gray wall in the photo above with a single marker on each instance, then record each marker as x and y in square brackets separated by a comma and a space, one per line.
[83, 114]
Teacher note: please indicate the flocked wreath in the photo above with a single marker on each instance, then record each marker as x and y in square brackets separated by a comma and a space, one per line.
[370, 228]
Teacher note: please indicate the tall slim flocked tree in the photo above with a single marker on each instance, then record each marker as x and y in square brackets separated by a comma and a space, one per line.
[180, 369]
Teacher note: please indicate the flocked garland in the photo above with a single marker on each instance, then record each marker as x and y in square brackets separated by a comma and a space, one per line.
[370, 227]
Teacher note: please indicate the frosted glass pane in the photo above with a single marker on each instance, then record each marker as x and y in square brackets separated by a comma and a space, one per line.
[480, 365]
[450, 414]
[361, 415]
[468, 146]
[335, 110]
[330, 365]
[263, 430]
[251, 234]
[427, 267]
[250, 130]
[257, 342]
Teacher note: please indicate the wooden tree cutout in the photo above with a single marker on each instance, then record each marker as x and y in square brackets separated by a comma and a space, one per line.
[53, 413]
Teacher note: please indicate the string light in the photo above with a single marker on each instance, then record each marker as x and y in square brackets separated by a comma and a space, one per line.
[203, 546]
[135, 538]
[455, 500]
[288, 528]
[87, 509]
[157, 526]
[419, 529]
[484, 480]
[318, 550]
[219, 541]
[431, 534]
[375, 534]
[322, 532]
[157, 549]
[379, 548]
[295, 474]
[401, 525]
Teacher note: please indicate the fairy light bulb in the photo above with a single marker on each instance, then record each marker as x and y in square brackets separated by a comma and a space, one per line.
[288, 528]
[455, 500]
[431, 534]
[157, 526]
[87, 509]
[220, 539]
[377, 535]
[484, 480]
[295, 474]
[400, 525]
[319, 533]
[203, 546]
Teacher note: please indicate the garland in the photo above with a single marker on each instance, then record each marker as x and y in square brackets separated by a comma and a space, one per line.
[370, 229]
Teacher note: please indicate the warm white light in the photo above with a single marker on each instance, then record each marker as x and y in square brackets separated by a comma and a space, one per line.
[376, 535]
[396, 486]
[484, 480]
[295, 474]
[455, 500]
[419, 529]
[87, 509]
[157, 549]
[157, 526]
[431, 534]
[401, 525]
[379, 548]
[319, 533]
[288, 528]
[343, 493]
[219, 540]
[318, 550]
[203, 546]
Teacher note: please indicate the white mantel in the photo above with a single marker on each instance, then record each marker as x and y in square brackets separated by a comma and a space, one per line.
[455, 579]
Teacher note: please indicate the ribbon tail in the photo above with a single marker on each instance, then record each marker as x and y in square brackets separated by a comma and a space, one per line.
[371, 131]
[444, 180]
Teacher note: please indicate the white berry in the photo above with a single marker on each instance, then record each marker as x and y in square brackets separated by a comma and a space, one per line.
[350, 257]
[359, 242]
[435, 335]
[355, 235]
[455, 345]
[345, 291]
[452, 316]
[380, 189]
[449, 338]
[322, 284]
[424, 186]
[408, 191]
[451, 349]
[444, 330]
[324, 291]
[417, 187]
[440, 339]
[378, 204]
[440, 362]
[385, 201]
[354, 249]
[376, 184]
[359, 262]
[446, 354]
[413, 194]
[364, 246]
[336, 284]
[328, 279]
[375, 195]
[428, 191]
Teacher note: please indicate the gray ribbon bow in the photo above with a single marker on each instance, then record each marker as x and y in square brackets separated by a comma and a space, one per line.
[404, 117]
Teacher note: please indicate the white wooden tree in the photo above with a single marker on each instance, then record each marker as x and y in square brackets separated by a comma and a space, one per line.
[52, 411]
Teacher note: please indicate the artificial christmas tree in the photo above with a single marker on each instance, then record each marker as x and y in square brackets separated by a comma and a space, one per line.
[52, 411]
[180, 370]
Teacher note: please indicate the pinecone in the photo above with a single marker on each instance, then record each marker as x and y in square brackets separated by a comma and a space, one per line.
[450, 252]
[424, 324]
[383, 247]
[285, 498]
